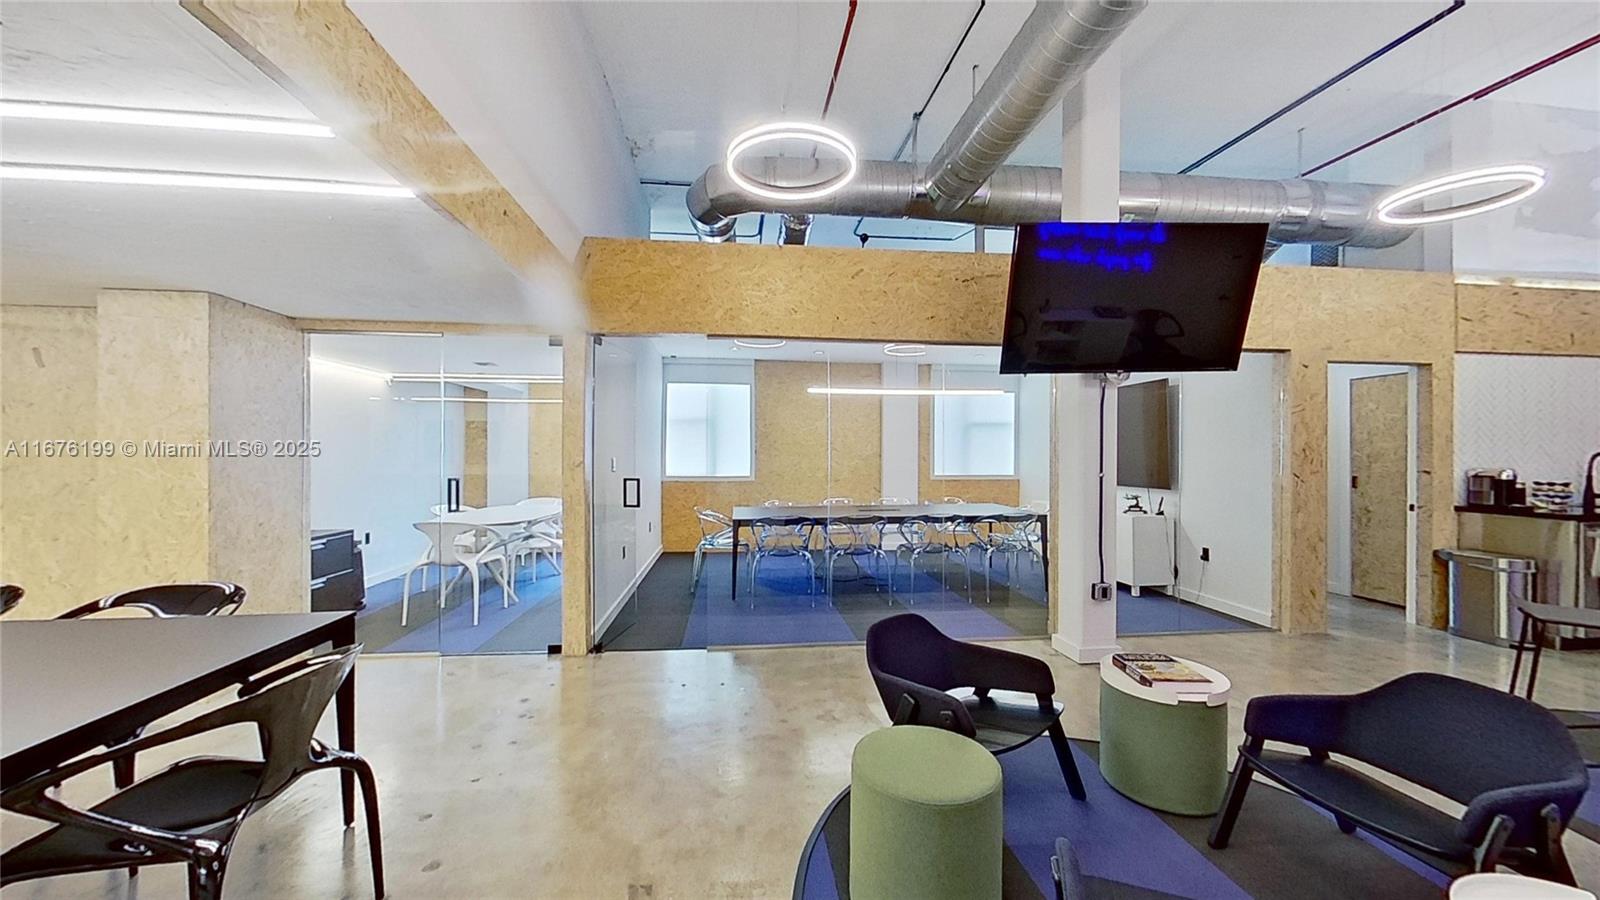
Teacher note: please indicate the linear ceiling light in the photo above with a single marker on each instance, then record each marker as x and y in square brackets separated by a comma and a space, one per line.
[791, 131]
[496, 378]
[161, 118]
[159, 178]
[1524, 179]
[523, 400]
[905, 349]
[352, 368]
[759, 344]
[906, 392]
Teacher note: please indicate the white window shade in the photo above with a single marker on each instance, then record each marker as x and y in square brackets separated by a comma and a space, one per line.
[975, 436]
[707, 430]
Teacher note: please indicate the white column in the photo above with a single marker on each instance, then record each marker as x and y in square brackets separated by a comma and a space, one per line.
[1082, 511]
[900, 430]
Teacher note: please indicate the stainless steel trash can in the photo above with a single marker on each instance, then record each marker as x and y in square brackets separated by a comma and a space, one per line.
[1485, 588]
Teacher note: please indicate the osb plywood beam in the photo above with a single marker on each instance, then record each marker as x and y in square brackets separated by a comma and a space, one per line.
[322, 54]
[1492, 318]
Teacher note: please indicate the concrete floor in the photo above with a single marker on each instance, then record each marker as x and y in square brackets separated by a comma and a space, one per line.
[686, 774]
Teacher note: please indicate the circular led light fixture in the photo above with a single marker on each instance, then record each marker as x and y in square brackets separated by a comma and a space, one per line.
[905, 349]
[758, 344]
[1523, 181]
[789, 131]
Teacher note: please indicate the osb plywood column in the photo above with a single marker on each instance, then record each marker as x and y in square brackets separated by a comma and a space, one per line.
[322, 54]
[153, 388]
[48, 510]
[475, 465]
[544, 441]
[258, 503]
[1507, 319]
[577, 593]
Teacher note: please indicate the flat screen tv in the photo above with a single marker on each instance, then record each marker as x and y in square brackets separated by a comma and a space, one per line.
[1146, 434]
[1130, 297]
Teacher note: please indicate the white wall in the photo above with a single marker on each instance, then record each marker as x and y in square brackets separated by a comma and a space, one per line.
[1539, 415]
[562, 155]
[380, 466]
[1227, 425]
[899, 420]
[627, 444]
[1339, 377]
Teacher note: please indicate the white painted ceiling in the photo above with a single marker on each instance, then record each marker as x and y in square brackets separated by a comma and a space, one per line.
[1194, 75]
[506, 354]
[699, 346]
[298, 254]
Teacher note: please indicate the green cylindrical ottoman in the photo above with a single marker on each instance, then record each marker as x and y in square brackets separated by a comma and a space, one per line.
[1161, 749]
[924, 817]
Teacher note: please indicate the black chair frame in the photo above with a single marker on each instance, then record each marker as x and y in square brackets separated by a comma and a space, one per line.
[199, 803]
[914, 666]
[166, 601]
[1506, 822]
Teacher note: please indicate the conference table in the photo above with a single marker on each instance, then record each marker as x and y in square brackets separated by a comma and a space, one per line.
[68, 686]
[959, 513]
[506, 515]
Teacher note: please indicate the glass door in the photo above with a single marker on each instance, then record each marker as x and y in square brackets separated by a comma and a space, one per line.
[501, 396]
[383, 478]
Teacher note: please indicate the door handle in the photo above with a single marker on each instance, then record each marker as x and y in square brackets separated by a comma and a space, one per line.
[452, 495]
[1355, 482]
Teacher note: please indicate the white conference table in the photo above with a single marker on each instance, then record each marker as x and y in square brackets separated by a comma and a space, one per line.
[507, 515]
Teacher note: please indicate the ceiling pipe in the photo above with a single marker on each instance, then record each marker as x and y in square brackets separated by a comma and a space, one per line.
[1296, 211]
[1055, 47]
[793, 228]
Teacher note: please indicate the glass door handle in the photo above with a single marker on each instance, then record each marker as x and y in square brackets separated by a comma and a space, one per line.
[452, 495]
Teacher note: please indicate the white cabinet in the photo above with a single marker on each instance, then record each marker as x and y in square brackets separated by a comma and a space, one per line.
[1144, 550]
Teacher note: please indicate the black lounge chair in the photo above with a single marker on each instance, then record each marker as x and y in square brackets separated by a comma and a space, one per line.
[1509, 762]
[914, 664]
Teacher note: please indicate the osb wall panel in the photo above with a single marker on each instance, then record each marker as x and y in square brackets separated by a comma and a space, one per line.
[972, 490]
[544, 441]
[258, 504]
[49, 523]
[807, 447]
[475, 452]
[659, 287]
[322, 54]
[1507, 319]
[153, 386]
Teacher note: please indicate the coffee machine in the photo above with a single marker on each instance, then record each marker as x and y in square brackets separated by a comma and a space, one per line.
[1494, 487]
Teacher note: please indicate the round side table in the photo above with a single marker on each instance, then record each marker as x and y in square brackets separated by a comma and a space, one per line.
[1162, 749]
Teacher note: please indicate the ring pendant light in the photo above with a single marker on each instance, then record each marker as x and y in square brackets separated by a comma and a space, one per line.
[1524, 181]
[787, 131]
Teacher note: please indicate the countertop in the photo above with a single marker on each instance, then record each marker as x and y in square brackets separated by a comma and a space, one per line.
[1528, 512]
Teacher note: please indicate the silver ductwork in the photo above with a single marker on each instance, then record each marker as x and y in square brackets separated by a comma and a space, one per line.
[1297, 210]
[1055, 47]
[793, 228]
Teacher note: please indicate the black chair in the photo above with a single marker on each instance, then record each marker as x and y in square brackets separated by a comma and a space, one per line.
[166, 601]
[10, 596]
[1509, 762]
[914, 664]
[1066, 874]
[162, 601]
[191, 812]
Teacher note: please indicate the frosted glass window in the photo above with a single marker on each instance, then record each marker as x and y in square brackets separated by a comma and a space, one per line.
[707, 432]
[975, 436]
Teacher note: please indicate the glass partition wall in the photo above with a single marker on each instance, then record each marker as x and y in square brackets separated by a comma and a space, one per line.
[796, 492]
[435, 496]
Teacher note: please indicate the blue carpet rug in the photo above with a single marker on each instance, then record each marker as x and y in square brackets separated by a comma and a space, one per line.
[1281, 846]
[787, 607]
[529, 625]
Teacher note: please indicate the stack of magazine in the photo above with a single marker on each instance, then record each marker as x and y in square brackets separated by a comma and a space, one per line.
[1159, 669]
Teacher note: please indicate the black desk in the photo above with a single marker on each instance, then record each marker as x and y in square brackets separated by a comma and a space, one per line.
[69, 686]
[746, 516]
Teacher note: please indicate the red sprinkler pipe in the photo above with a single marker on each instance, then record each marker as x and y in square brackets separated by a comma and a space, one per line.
[838, 60]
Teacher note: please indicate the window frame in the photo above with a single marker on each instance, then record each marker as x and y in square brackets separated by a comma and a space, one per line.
[1014, 392]
[748, 381]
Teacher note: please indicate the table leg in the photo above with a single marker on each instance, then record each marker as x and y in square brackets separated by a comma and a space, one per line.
[734, 555]
[1533, 665]
[344, 703]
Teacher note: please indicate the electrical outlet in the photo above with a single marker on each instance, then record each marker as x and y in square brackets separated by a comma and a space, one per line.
[1100, 590]
[1205, 554]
